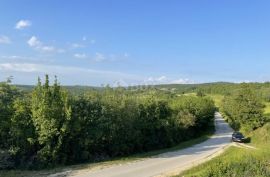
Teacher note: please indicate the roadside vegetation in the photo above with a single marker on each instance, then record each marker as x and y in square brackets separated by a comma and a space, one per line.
[244, 109]
[103, 164]
[240, 162]
[48, 126]
[52, 126]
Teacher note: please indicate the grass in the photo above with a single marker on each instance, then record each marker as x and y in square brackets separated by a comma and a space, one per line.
[239, 162]
[267, 108]
[217, 99]
[98, 165]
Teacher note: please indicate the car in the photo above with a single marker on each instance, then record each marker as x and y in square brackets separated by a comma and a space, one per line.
[238, 137]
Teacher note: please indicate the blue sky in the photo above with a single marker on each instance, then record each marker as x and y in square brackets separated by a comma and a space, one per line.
[135, 42]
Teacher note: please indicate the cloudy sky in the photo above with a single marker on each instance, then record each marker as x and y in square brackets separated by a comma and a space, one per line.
[135, 42]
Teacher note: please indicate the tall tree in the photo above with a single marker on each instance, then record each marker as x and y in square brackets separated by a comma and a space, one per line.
[51, 114]
[244, 109]
[8, 94]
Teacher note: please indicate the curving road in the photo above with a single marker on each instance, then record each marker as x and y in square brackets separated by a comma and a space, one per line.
[170, 162]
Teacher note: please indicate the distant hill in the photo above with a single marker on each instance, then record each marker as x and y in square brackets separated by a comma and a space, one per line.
[222, 88]
[77, 89]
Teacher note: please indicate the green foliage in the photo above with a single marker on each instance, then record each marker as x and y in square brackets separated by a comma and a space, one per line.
[7, 96]
[240, 162]
[244, 109]
[49, 126]
[50, 114]
[200, 93]
[22, 131]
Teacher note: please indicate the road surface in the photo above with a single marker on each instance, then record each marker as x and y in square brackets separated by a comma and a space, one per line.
[170, 162]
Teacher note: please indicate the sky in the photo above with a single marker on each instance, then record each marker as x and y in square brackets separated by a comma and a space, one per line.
[125, 42]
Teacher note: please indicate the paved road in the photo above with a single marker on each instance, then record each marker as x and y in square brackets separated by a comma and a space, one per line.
[171, 161]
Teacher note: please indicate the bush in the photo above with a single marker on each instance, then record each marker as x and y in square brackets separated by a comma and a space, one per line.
[6, 160]
[50, 126]
[244, 109]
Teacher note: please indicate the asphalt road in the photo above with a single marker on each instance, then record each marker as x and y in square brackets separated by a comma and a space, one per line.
[169, 162]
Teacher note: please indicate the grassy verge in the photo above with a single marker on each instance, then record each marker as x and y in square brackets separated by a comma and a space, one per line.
[237, 161]
[115, 161]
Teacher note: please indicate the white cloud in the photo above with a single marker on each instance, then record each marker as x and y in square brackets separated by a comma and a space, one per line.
[165, 80]
[21, 67]
[69, 74]
[92, 41]
[99, 57]
[47, 48]
[76, 45]
[4, 40]
[35, 43]
[181, 81]
[29, 71]
[120, 82]
[14, 57]
[23, 24]
[32, 67]
[18, 58]
[80, 55]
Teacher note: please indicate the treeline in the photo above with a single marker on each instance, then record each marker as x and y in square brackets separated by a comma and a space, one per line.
[262, 89]
[220, 88]
[50, 126]
[244, 108]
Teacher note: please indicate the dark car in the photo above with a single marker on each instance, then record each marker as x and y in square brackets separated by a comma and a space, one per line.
[238, 137]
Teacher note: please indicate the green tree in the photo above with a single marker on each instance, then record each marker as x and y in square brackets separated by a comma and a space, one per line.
[23, 137]
[51, 114]
[8, 94]
[244, 109]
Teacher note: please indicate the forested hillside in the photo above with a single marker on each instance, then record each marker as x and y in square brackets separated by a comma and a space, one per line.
[220, 88]
[48, 125]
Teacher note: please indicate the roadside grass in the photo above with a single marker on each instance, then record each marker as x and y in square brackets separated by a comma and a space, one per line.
[239, 162]
[103, 164]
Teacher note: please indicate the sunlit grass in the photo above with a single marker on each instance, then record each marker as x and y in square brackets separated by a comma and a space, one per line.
[237, 161]
[217, 99]
[267, 108]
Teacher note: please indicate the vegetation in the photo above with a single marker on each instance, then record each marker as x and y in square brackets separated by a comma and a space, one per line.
[240, 162]
[48, 126]
[102, 164]
[244, 110]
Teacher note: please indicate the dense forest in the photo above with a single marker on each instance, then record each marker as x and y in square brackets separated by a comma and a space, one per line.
[48, 125]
